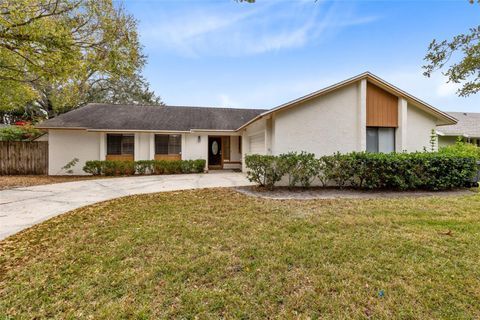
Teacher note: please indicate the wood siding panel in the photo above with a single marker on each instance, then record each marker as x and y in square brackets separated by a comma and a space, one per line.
[23, 157]
[226, 153]
[120, 157]
[168, 157]
[382, 107]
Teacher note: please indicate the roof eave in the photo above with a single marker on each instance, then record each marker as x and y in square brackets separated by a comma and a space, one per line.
[60, 128]
[138, 130]
[134, 130]
[466, 135]
[213, 130]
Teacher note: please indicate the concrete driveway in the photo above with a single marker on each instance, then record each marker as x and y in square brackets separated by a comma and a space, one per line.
[21, 208]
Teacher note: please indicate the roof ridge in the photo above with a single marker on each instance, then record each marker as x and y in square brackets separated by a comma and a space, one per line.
[213, 107]
[171, 106]
[124, 104]
[463, 112]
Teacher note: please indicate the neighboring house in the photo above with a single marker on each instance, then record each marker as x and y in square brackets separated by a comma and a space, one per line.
[42, 137]
[467, 127]
[358, 114]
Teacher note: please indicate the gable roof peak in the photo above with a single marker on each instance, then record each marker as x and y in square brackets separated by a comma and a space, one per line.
[445, 119]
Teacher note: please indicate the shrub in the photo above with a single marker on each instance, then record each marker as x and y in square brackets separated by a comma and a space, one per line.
[118, 168]
[264, 170]
[94, 167]
[461, 149]
[301, 168]
[400, 171]
[144, 167]
[198, 166]
[172, 166]
[192, 166]
[186, 166]
[141, 167]
[337, 168]
[158, 167]
[19, 133]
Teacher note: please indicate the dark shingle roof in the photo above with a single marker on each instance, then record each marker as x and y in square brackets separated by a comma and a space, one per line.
[468, 124]
[139, 117]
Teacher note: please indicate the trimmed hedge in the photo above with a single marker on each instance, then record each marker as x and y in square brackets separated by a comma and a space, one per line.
[125, 168]
[397, 171]
[264, 170]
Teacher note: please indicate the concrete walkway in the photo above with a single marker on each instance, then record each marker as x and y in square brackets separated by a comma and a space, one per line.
[21, 208]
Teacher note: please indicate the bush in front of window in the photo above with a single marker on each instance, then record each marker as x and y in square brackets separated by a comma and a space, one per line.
[364, 170]
[119, 168]
[142, 167]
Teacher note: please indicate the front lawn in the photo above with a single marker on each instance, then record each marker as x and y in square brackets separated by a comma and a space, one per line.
[219, 254]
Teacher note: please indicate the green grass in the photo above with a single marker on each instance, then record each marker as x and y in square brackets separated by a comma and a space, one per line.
[219, 254]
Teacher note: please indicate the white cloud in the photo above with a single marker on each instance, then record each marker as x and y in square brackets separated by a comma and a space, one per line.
[236, 30]
[447, 89]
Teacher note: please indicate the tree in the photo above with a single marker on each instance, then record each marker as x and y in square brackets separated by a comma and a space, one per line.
[460, 57]
[56, 55]
[128, 90]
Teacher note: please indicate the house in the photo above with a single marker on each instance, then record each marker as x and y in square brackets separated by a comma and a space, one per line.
[363, 113]
[42, 137]
[467, 127]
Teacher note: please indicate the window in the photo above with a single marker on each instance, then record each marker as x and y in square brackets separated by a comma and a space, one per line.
[240, 144]
[118, 144]
[380, 139]
[168, 144]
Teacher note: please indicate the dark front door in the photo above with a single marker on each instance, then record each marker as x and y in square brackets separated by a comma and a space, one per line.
[215, 151]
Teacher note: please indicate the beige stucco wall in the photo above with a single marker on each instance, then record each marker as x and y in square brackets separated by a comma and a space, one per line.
[235, 155]
[65, 145]
[444, 141]
[142, 146]
[322, 126]
[419, 129]
[193, 149]
[257, 127]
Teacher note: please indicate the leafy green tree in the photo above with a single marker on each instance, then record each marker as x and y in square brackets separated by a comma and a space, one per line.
[56, 55]
[459, 57]
[19, 133]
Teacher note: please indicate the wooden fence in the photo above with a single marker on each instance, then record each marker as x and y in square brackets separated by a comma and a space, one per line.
[23, 157]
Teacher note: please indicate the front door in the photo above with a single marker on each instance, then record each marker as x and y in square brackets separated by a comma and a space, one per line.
[215, 151]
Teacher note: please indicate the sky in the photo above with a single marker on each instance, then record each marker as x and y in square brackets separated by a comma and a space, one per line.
[229, 54]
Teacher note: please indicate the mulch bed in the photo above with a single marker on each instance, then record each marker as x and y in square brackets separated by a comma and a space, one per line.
[285, 193]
